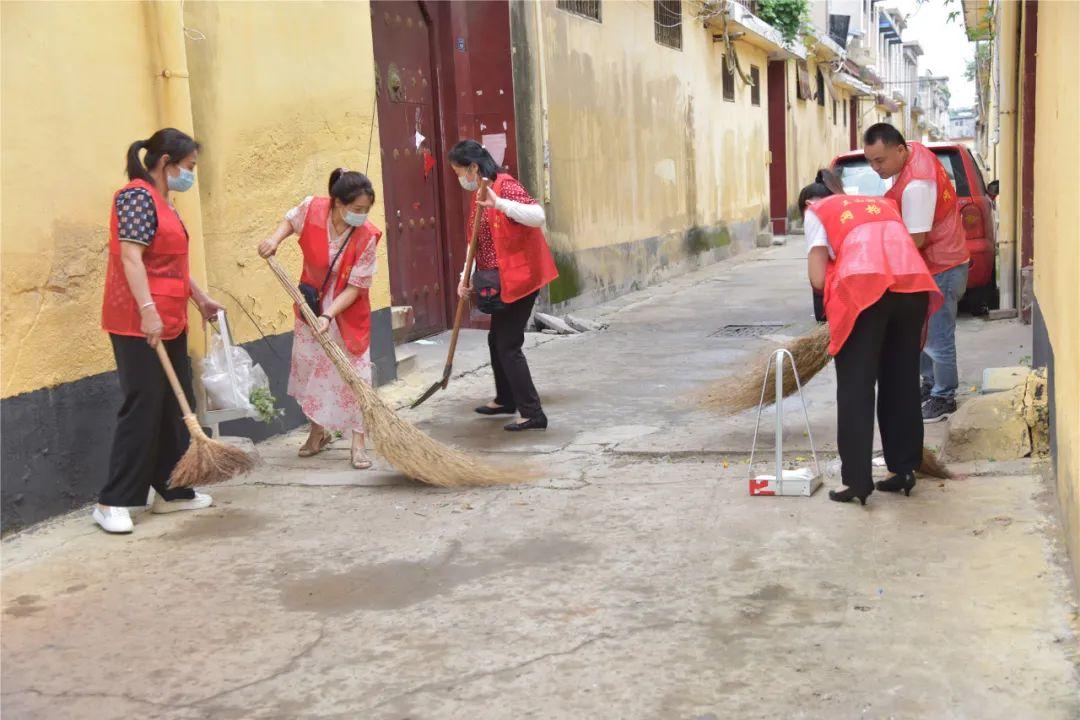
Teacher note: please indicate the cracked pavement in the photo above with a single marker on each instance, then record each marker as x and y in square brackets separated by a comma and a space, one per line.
[634, 579]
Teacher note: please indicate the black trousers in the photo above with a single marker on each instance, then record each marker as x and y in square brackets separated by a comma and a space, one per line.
[513, 381]
[150, 433]
[883, 349]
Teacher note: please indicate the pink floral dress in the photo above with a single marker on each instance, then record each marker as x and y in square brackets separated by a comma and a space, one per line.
[313, 380]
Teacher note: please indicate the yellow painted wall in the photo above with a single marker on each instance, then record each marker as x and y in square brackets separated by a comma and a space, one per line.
[274, 106]
[642, 143]
[277, 107]
[813, 139]
[1057, 252]
[70, 109]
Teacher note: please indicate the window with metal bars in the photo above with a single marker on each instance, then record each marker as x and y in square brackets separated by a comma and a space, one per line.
[834, 111]
[755, 90]
[667, 22]
[820, 88]
[585, 8]
[728, 80]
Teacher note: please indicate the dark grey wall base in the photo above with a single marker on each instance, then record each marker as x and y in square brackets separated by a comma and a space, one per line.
[646, 262]
[1042, 355]
[56, 441]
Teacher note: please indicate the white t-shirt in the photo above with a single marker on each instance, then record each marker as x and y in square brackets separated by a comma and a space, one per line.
[918, 204]
[815, 233]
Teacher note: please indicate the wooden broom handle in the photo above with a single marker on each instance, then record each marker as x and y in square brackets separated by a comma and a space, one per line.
[469, 258]
[173, 380]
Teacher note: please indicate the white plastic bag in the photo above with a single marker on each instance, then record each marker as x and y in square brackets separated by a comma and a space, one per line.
[229, 374]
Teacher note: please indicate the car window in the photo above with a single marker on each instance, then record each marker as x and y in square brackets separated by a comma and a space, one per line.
[954, 167]
[858, 178]
[980, 180]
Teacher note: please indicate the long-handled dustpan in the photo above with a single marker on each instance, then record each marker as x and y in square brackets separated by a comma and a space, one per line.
[460, 314]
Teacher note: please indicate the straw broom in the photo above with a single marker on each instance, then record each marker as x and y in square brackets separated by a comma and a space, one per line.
[811, 354]
[410, 451]
[207, 461]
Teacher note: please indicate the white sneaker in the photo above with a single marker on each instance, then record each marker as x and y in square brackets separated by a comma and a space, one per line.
[113, 519]
[162, 506]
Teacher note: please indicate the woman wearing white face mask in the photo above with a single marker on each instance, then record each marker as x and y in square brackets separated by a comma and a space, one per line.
[339, 245]
[147, 287]
[513, 263]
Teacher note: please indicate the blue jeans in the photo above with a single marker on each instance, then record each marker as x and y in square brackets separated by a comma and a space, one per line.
[938, 363]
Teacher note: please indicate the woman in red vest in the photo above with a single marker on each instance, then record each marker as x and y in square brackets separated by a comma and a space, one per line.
[339, 246]
[513, 263]
[878, 297]
[147, 287]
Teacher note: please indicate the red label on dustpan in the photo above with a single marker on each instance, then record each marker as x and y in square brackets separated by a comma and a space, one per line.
[761, 487]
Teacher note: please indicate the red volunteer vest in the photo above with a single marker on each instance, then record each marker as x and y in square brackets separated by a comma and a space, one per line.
[946, 244]
[354, 322]
[874, 253]
[525, 262]
[166, 261]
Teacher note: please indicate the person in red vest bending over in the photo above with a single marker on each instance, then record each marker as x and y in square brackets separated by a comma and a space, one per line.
[147, 286]
[339, 245]
[878, 296]
[513, 263]
[927, 200]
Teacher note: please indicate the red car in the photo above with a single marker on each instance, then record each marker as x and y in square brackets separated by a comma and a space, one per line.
[976, 212]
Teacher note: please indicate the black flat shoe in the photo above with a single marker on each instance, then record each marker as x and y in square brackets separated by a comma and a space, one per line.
[897, 483]
[500, 410]
[848, 495]
[537, 422]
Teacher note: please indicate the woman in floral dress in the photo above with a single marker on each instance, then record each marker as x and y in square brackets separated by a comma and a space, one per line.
[339, 245]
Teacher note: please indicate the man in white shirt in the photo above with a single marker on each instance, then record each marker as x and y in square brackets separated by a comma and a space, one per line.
[918, 182]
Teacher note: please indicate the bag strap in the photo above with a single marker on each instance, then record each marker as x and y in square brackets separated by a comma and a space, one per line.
[226, 341]
[330, 270]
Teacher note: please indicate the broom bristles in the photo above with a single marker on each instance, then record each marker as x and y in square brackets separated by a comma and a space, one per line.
[208, 461]
[742, 391]
[932, 466]
[403, 445]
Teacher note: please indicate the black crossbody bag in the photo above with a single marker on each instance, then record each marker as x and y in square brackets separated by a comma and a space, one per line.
[488, 291]
[312, 295]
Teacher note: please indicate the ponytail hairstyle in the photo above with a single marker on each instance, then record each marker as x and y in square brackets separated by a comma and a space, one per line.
[467, 152]
[167, 141]
[347, 185]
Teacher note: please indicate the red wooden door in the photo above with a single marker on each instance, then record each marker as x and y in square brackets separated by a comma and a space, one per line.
[778, 145]
[408, 124]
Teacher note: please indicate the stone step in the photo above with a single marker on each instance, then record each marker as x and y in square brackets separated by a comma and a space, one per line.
[407, 361]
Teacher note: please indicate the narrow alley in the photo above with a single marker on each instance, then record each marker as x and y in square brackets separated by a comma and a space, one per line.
[633, 578]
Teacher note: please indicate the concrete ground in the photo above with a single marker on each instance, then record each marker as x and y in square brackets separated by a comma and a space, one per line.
[635, 579]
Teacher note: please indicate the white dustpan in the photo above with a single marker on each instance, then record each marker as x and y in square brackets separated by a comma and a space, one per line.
[800, 481]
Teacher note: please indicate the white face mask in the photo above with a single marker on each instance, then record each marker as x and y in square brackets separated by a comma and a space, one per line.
[466, 184]
[355, 219]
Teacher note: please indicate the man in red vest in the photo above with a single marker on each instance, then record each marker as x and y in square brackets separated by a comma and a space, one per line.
[927, 200]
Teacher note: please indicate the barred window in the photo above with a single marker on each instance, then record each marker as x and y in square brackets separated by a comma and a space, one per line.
[820, 88]
[585, 8]
[755, 91]
[667, 22]
[728, 80]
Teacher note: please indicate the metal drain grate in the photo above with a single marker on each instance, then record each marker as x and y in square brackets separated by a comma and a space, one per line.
[748, 330]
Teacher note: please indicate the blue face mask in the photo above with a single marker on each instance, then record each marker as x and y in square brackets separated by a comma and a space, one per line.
[355, 219]
[183, 181]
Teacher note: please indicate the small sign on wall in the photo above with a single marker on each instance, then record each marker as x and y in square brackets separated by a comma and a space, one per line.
[460, 44]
